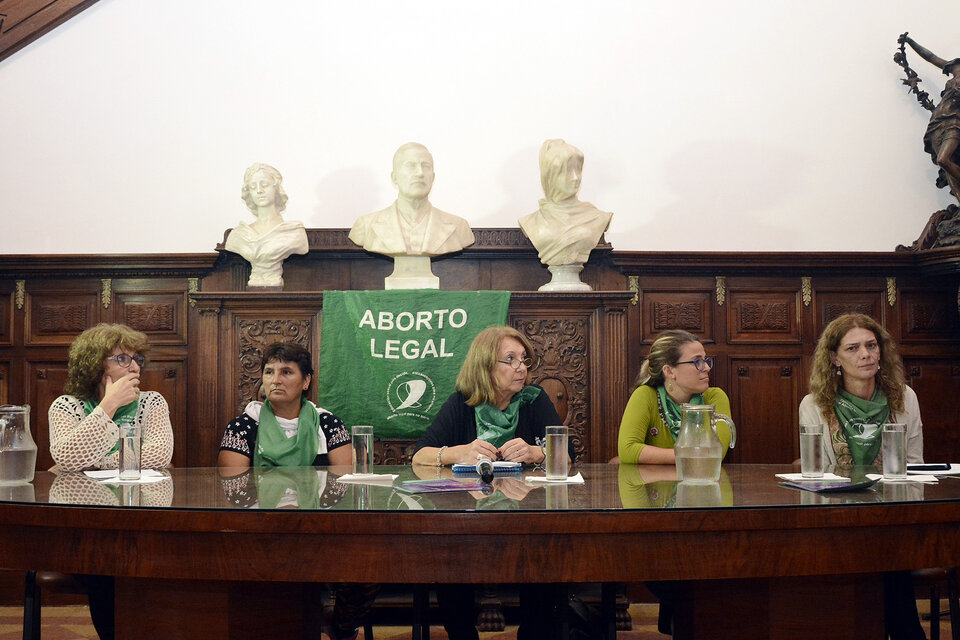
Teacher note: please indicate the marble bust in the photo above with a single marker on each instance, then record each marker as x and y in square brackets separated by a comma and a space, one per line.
[270, 240]
[411, 230]
[564, 230]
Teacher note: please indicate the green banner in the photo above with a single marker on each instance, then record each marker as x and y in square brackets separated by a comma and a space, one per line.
[390, 358]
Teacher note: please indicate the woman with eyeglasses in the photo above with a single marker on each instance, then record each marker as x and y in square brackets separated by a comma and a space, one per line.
[102, 392]
[495, 414]
[676, 371]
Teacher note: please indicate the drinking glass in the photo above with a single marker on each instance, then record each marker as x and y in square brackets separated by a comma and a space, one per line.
[363, 449]
[811, 450]
[556, 462]
[129, 466]
[895, 451]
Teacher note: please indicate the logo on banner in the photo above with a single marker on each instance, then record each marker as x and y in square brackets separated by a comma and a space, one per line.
[411, 393]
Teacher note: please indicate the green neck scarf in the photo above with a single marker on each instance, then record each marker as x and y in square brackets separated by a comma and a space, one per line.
[125, 415]
[853, 413]
[273, 483]
[670, 411]
[275, 449]
[496, 426]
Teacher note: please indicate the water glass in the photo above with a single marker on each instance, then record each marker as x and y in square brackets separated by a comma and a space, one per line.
[362, 449]
[811, 450]
[130, 441]
[556, 449]
[895, 451]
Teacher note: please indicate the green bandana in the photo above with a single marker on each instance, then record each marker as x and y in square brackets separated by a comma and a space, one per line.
[275, 449]
[125, 415]
[496, 426]
[670, 411]
[273, 483]
[853, 413]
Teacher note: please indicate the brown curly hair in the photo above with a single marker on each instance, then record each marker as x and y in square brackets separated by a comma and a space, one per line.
[824, 381]
[85, 366]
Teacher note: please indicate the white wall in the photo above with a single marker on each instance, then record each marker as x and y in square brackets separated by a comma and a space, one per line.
[733, 125]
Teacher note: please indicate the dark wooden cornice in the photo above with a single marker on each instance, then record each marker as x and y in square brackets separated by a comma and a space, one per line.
[108, 265]
[23, 21]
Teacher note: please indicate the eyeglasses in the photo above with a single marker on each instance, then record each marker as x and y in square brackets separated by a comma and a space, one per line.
[516, 362]
[124, 360]
[702, 364]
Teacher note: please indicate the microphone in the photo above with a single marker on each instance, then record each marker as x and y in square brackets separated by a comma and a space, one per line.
[485, 469]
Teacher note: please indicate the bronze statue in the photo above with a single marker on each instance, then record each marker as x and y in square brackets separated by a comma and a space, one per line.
[941, 141]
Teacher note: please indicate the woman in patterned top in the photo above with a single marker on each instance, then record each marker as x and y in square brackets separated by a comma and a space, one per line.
[102, 392]
[286, 430]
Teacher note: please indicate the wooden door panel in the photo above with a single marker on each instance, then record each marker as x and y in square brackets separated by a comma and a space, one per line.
[764, 399]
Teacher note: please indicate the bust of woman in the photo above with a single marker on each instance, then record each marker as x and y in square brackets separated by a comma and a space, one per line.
[564, 230]
[270, 240]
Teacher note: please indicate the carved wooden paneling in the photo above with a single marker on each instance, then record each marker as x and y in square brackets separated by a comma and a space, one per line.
[45, 381]
[831, 304]
[5, 383]
[936, 382]
[56, 317]
[926, 316]
[561, 345]
[688, 310]
[160, 315]
[764, 397]
[755, 316]
[168, 377]
[6, 319]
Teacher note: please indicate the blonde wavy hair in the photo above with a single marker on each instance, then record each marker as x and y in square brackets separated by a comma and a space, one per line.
[665, 350]
[475, 379]
[85, 366]
[824, 381]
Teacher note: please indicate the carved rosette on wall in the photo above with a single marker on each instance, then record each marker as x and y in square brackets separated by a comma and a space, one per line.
[254, 336]
[562, 348]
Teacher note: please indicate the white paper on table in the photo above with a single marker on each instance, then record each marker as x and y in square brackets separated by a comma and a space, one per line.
[369, 478]
[112, 476]
[799, 477]
[913, 478]
[577, 479]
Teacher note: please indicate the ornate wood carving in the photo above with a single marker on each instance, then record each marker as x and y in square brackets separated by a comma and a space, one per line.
[806, 290]
[254, 336]
[763, 316]
[21, 293]
[679, 315]
[833, 310]
[193, 285]
[106, 292]
[23, 21]
[62, 318]
[393, 451]
[150, 317]
[562, 346]
[633, 283]
[721, 290]
[891, 291]
[758, 316]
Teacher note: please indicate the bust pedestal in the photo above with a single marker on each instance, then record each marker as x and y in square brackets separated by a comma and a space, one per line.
[411, 272]
[566, 277]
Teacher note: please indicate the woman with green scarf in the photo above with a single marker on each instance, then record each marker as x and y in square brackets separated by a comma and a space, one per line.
[496, 414]
[676, 371]
[858, 384]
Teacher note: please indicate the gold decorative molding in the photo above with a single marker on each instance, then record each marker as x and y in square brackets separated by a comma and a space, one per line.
[106, 292]
[193, 286]
[721, 290]
[891, 291]
[21, 294]
[806, 290]
[633, 283]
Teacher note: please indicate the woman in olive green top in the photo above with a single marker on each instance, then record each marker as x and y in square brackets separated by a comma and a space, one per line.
[676, 371]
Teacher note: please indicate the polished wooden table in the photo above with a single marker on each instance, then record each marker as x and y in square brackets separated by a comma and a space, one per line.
[758, 553]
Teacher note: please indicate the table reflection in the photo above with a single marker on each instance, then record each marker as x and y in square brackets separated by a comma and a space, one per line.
[78, 488]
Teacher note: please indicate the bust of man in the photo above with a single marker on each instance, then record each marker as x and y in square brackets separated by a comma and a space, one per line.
[411, 226]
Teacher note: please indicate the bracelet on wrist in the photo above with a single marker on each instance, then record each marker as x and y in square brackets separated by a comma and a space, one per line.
[440, 455]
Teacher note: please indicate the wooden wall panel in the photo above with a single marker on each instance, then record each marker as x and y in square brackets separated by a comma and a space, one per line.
[764, 398]
[56, 317]
[5, 383]
[763, 316]
[937, 383]
[830, 304]
[927, 317]
[45, 382]
[677, 309]
[7, 306]
[162, 316]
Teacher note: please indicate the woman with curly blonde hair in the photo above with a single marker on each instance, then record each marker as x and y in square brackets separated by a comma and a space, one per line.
[857, 384]
[103, 392]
